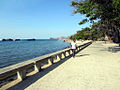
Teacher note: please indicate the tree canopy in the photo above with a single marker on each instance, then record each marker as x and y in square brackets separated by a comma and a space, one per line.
[108, 11]
[93, 33]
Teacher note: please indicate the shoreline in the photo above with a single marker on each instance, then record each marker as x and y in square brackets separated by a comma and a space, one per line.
[58, 55]
[42, 54]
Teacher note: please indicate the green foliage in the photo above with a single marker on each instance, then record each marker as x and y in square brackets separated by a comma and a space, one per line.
[90, 33]
[103, 9]
[83, 21]
[108, 11]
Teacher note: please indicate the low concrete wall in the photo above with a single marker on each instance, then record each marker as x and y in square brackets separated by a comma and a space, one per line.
[20, 69]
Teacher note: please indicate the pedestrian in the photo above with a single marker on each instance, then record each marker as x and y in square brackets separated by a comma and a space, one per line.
[73, 47]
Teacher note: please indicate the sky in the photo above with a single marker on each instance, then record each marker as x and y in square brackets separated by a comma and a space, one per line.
[40, 19]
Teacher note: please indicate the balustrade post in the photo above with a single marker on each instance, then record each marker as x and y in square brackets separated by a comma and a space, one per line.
[65, 54]
[69, 52]
[37, 67]
[60, 56]
[50, 61]
[21, 74]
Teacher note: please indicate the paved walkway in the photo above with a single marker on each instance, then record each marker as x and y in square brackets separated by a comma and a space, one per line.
[94, 68]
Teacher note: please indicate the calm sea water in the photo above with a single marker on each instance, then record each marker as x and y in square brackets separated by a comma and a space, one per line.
[14, 52]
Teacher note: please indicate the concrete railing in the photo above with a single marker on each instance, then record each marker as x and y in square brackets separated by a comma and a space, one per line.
[20, 69]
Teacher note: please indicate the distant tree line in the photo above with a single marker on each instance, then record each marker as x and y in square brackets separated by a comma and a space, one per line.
[93, 33]
[107, 11]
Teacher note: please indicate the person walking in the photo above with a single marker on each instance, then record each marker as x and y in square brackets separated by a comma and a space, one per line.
[73, 47]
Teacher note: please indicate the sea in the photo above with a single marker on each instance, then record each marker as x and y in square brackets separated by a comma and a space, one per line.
[12, 52]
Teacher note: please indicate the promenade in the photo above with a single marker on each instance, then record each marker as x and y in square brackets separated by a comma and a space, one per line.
[97, 67]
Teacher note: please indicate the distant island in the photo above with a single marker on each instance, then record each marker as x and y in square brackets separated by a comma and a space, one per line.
[18, 39]
[31, 39]
[7, 39]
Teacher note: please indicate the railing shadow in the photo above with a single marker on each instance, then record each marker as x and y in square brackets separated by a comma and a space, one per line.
[30, 80]
[82, 55]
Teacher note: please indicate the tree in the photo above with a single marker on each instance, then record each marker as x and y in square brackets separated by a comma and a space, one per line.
[93, 33]
[108, 11]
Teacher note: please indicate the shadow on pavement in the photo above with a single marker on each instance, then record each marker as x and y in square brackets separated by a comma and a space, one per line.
[32, 79]
[82, 55]
[114, 49]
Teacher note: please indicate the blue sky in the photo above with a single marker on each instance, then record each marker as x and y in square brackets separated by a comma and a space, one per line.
[38, 19]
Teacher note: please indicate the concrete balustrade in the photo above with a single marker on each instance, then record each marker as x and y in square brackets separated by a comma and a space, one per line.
[21, 74]
[59, 56]
[21, 68]
[37, 66]
[64, 53]
[50, 60]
